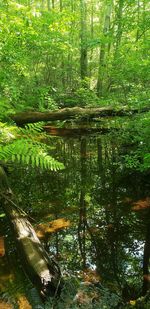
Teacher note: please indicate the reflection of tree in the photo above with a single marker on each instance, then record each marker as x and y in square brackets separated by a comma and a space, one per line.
[91, 193]
[106, 240]
[82, 205]
[114, 232]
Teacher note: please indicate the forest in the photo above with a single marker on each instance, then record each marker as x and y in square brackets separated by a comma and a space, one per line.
[74, 154]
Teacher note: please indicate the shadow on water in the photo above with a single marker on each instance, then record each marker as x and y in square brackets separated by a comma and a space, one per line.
[94, 217]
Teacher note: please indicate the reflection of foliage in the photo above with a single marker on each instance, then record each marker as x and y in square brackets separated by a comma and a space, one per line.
[23, 145]
[16, 288]
[75, 295]
[137, 136]
[114, 235]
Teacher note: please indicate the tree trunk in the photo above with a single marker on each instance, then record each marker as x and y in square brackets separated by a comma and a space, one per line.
[92, 36]
[119, 27]
[73, 113]
[83, 37]
[82, 204]
[61, 5]
[53, 4]
[138, 20]
[103, 47]
[48, 5]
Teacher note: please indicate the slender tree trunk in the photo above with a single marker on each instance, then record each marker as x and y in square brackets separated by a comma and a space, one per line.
[99, 155]
[92, 20]
[144, 14]
[48, 5]
[61, 5]
[114, 232]
[83, 38]
[92, 35]
[53, 4]
[103, 47]
[138, 19]
[82, 212]
[119, 27]
[71, 70]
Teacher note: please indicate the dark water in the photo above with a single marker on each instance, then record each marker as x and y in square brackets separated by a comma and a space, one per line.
[101, 213]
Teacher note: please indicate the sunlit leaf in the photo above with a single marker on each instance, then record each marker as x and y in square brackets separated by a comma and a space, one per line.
[141, 204]
[23, 303]
[52, 227]
[132, 302]
[2, 215]
[4, 305]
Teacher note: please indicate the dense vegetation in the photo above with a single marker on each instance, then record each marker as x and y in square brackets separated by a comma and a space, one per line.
[81, 53]
[58, 53]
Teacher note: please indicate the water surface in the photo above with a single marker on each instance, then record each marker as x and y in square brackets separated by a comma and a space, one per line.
[93, 216]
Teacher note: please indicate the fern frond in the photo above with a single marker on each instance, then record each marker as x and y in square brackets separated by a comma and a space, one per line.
[23, 149]
[29, 153]
[33, 128]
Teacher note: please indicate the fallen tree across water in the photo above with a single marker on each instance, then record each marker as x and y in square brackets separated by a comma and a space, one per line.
[73, 113]
[42, 270]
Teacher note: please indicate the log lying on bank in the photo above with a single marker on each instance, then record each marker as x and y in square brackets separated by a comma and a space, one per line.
[73, 113]
[43, 271]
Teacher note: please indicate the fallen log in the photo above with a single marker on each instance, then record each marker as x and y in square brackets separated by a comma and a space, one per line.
[42, 270]
[73, 113]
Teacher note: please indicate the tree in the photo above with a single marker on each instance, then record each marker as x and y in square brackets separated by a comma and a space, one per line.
[83, 36]
[104, 46]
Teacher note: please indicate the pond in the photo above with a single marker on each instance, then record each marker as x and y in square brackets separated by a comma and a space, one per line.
[93, 217]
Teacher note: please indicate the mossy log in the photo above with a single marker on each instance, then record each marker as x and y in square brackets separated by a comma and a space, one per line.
[42, 270]
[73, 113]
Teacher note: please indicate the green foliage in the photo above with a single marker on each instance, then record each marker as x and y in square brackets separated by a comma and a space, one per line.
[86, 97]
[77, 295]
[138, 135]
[82, 96]
[23, 146]
[40, 53]
[40, 69]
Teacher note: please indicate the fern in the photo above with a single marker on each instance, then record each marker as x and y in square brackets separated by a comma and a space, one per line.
[23, 146]
[33, 128]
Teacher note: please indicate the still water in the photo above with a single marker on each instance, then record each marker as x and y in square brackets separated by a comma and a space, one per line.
[93, 217]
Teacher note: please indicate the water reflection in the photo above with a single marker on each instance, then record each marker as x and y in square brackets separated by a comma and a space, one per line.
[105, 204]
